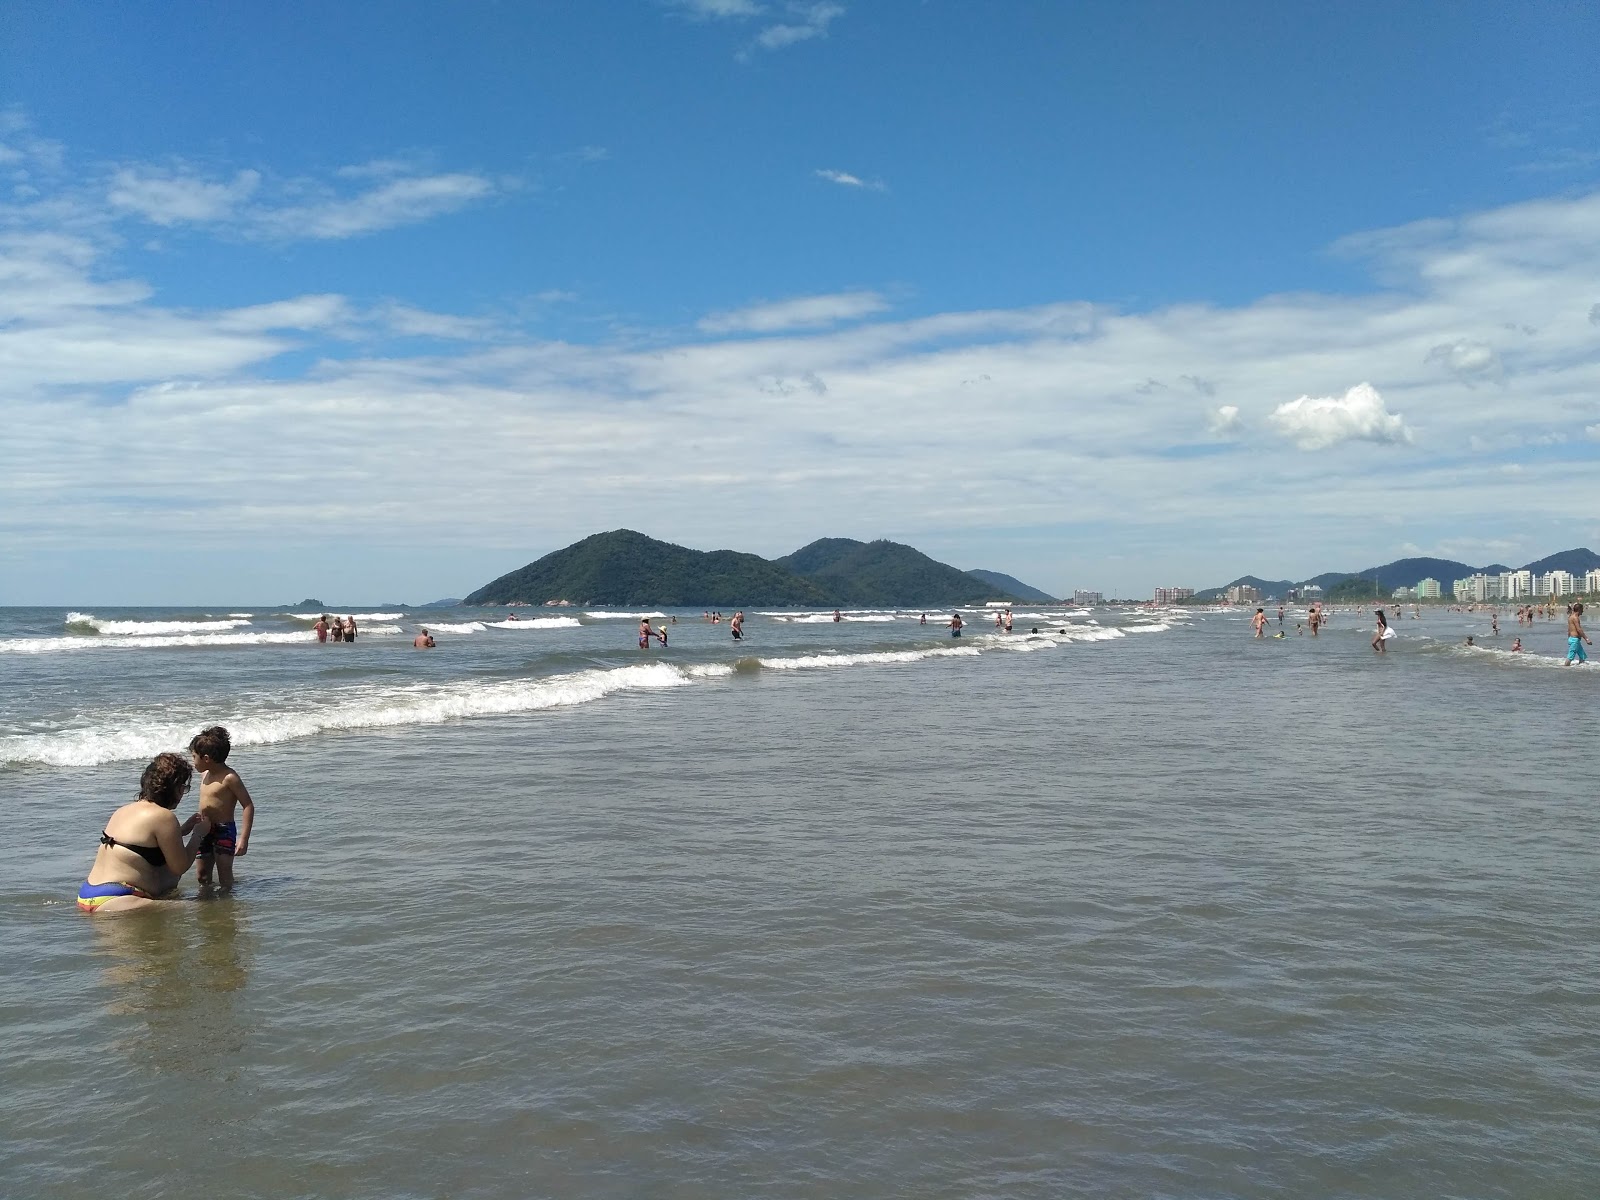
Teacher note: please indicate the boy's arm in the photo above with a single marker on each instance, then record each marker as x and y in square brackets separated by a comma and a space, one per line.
[247, 815]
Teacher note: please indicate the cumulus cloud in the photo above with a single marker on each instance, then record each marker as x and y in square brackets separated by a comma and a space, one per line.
[1592, 432]
[1318, 422]
[803, 312]
[1594, 315]
[1225, 421]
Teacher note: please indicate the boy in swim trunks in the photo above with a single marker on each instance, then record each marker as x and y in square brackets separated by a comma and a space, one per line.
[221, 791]
[1576, 637]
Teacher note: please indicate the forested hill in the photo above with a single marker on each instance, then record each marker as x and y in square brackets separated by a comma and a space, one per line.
[625, 568]
[887, 574]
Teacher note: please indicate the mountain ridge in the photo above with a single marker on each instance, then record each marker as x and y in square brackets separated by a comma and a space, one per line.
[623, 567]
[1407, 572]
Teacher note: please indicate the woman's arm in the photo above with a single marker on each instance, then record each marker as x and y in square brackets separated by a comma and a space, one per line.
[180, 856]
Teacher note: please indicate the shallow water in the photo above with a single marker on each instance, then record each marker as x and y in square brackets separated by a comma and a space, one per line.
[1175, 914]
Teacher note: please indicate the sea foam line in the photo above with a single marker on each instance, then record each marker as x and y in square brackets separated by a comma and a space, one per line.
[536, 623]
[147, 642]
[136, 628]
[809, 661]
[132, 737]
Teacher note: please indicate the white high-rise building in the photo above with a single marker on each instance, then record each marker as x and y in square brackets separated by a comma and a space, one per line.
[1518, 584]
[1556, 583]
[1591, 580]
[1427, 589]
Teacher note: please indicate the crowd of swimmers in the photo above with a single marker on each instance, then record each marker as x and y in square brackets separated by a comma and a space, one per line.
[1383, 631]
[332, 629]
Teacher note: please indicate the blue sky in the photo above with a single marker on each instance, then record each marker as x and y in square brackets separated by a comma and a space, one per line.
[376, 301]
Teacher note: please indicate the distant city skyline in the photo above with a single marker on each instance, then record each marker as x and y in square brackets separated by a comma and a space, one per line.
[377, 302]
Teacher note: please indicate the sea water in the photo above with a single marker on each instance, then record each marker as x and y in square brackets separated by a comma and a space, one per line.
[1142, 908]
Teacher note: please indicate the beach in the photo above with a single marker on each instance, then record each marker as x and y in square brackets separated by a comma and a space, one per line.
[850, 908]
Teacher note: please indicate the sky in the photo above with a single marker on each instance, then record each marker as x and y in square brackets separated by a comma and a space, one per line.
[378, 301]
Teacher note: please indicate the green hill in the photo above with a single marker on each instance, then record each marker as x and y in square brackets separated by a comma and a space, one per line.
[1012, 586]
[887, 574]
[627, 568]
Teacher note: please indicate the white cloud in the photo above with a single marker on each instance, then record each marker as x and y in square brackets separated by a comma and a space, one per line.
[293, 210]
[1466, 359]
[415, 322]
[845, 179]
[719, 9]
[398, 202]
[838, 410]
[1594, 315]
[175, 197]
[1225, 421]
[804, 312]
[1318, 422]
[811, 21]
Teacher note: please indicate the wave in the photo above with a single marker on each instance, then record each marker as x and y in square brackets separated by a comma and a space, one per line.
[136, 628]
[536, 623]
[148, 642]
[616, 616]
[810, 661]
[463, 627]
[827, 618]
[1155, 627]
[134, 737]
[385, 616]
[246, 616]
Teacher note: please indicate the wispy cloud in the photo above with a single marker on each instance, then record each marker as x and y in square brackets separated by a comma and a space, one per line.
[804, 312]
[808, 21]
[398, 202]
[296, 210]
[845, 179]
[718, 9]
[174, 197]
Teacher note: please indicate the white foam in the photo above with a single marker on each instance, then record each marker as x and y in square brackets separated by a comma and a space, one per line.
[463, 627]
[617, 616]
[131, 737]
[536, 623]
[358, 616]
[246, 616]
[808, 661]
[52, 645]
[1156, 627]
[137, 628]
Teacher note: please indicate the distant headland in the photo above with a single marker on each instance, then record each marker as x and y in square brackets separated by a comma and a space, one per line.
[627, 568]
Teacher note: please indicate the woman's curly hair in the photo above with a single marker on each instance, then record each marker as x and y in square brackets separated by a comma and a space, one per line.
[165, 780]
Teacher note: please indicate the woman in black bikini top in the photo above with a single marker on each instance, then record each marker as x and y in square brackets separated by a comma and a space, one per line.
[147, 855]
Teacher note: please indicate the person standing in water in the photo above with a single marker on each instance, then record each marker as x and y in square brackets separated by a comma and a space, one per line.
[644, 634]
[221, 791]
[1260, 622]
[955, 624]
[1576, 637]
[321, 628]
[1382, 634]
[737, 628]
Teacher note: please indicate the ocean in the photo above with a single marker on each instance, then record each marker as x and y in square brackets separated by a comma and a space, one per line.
[1144, 908]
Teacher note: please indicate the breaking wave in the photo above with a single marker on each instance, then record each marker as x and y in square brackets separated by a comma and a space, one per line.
[78, 620]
